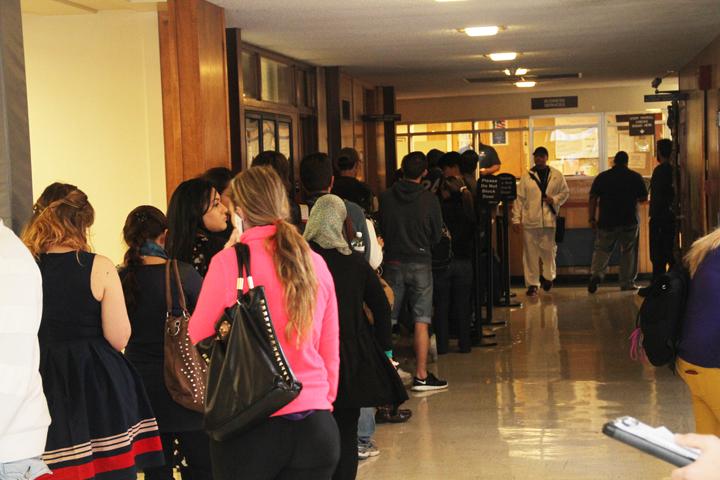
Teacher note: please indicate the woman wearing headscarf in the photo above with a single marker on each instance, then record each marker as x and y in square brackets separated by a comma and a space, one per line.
[367, 378]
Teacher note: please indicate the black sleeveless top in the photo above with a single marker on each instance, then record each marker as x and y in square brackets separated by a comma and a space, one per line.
[70, 311]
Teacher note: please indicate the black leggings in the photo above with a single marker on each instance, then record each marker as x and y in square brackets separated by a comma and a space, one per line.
[280, 449]
[192, 447]
[347, 422]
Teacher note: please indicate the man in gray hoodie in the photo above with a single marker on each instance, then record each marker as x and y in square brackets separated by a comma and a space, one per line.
[411, 223]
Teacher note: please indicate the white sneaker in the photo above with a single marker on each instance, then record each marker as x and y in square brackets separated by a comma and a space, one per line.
[369, 449]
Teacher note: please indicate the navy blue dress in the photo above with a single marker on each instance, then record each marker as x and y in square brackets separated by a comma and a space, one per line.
[102, 424]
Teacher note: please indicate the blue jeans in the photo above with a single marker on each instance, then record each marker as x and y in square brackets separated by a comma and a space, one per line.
[366, 425]
[27, 469]
[415, 280]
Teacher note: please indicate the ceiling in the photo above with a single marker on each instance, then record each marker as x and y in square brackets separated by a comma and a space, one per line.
[414, 45]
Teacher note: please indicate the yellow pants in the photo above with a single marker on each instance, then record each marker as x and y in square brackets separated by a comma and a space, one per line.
[704, 385]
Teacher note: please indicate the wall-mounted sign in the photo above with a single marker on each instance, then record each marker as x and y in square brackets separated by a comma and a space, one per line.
[641, 125]
[499, 135]
[546, 103]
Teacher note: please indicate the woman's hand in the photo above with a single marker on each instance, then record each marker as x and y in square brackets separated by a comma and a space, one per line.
[234, 238]
[707, 466]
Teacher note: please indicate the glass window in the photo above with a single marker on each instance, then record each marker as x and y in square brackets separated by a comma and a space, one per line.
[249, 75]
[511, 146]
[277, 81]
[402, 148]
[252, 135]
[564, 120]
[284, 145]
[573, 151]
[401, 128]
[302, 87]
[499, 124]
[640, 148]
[268, 142]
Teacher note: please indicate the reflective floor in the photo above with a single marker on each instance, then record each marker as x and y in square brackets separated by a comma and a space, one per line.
[533, 407]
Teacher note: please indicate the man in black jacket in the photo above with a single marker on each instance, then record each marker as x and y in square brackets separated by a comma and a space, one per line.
[411, 223]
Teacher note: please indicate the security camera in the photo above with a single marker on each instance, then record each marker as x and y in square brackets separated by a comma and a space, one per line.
[656, 82]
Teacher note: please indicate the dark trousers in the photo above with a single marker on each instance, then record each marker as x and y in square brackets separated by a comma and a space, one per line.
[347, 422]
[281, 449]
[192, 447]
[662, 243]
[452, 297]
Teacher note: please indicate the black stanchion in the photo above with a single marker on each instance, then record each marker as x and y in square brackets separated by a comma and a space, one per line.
[503, 243]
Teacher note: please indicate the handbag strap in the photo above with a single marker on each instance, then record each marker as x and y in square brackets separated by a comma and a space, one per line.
[543, 190]
[242, 251]
[168, 287]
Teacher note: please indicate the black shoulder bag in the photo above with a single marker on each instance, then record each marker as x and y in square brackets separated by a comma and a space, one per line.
[559, 221]
[249, 378]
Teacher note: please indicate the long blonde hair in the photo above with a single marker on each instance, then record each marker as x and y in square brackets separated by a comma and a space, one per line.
[62, 221]
[262, 197]
[699, 250]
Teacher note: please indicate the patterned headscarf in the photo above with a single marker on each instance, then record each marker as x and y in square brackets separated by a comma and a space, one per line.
[326, 222]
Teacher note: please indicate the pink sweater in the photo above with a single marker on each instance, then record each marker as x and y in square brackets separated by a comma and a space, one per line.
[316, 362]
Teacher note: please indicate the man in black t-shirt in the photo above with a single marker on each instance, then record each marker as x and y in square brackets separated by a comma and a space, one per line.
[488, 160]
[347, 186]
[618, 192]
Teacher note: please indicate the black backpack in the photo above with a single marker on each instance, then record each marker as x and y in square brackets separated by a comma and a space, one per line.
[659, 321]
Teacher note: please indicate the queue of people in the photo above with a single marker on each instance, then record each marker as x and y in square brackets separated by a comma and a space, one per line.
[99, 405]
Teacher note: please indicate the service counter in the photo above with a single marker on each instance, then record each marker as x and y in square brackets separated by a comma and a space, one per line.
[575, 253]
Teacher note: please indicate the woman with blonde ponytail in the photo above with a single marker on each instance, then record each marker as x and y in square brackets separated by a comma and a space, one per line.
[699, 351]
[301, 440]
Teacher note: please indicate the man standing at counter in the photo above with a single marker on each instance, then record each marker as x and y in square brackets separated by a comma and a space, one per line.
[540, 194]
[488, 160]
[618, 191]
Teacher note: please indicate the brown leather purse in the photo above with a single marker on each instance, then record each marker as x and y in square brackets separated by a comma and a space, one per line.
[184, 369]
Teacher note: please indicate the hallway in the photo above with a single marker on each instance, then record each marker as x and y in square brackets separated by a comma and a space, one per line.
[533, 407]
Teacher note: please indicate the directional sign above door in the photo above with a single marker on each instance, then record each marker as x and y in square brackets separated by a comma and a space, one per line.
[641, 125]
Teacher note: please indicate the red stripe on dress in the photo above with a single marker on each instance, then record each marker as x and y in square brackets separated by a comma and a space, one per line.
[106, 464]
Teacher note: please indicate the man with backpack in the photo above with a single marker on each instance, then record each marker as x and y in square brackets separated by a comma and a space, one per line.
[540, 194]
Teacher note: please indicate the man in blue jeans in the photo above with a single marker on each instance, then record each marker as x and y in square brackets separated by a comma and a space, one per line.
[411, 223]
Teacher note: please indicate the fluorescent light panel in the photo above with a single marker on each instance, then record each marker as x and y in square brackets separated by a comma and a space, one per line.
[488, 31]
[503, 56]
[525, 84]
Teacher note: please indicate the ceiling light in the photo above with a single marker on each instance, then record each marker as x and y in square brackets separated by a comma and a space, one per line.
[507, 72]
[653, 110]
[503, 56]
[525, 84]
[521, 71]
[481, 31]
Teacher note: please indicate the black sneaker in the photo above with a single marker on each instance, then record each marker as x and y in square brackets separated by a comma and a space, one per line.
[546, 284]
[532, 291]
[645, 291]
[593, 285]
[429, 383]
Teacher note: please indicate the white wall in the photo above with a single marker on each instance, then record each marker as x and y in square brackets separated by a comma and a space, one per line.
[95, 109]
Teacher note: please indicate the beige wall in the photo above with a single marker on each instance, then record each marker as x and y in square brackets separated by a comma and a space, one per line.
[95, 108]
[614, 99]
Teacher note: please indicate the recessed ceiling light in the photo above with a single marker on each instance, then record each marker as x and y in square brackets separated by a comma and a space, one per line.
[507, 72]
[521, 71]
[481, 31]
[653, 110]
[525, 84]
[503, 56]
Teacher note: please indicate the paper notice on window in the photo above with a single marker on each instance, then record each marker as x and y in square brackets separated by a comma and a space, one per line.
[638, 161]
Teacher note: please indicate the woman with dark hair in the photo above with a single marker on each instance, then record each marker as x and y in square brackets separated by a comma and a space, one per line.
[143, 280]
[195, 213]
[220, 178]
[280, 164]
[102, 422]
[367, 376]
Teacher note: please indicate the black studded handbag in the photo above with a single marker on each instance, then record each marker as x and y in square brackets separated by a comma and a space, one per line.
[249, 378]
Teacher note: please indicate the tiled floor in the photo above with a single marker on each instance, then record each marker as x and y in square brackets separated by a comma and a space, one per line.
[533, 407]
